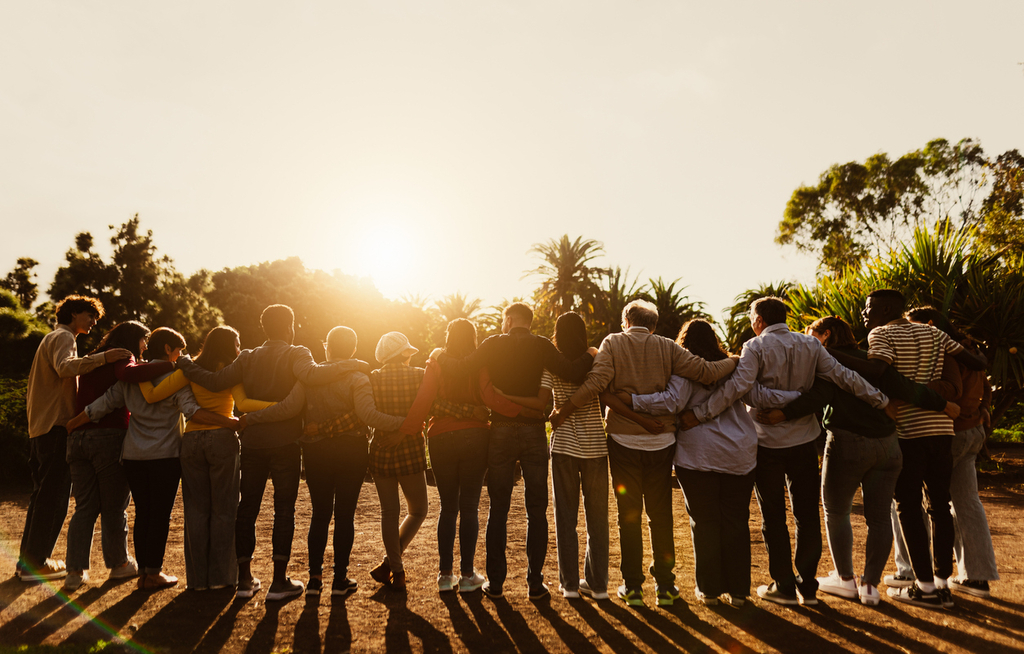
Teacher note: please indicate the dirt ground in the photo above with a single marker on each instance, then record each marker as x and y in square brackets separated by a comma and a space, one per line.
[115, 617]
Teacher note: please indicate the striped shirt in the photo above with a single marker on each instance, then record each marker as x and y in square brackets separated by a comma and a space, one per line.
[582, 434]
[916, 352]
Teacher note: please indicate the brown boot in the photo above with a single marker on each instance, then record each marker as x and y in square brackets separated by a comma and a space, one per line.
[159, 581]
[382, 573]
[398, 580]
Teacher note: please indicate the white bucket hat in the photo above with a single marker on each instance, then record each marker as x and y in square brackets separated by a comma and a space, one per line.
[393, 344]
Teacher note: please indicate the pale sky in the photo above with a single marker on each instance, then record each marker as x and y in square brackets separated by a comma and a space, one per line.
[430, 144]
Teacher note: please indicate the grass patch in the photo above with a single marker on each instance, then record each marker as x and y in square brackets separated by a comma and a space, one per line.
[1008, 435]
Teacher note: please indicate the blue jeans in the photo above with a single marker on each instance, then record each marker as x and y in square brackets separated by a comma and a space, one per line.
[873, 464]
[459, 461]
[282, 466]
[101, 489]
[209, 494]
[570, 474]
[335, 468]
[526, 443]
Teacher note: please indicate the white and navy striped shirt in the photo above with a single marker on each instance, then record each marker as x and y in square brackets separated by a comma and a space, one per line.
[582, 434]
[915, 351]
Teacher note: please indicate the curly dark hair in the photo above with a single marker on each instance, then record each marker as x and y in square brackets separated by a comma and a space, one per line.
[73, 304]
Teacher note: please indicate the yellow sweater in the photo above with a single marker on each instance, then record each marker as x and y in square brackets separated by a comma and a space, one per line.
[222, 403]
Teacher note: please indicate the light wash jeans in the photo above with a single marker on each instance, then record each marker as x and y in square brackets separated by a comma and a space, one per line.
[853, 461]
[100, 489]
[570, 474]
[209, 493]
[972, 547]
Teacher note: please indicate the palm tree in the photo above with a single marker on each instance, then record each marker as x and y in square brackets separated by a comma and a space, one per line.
[737, 322]
[457, 305]
[569, 280]
[618, 291]
[674, 307]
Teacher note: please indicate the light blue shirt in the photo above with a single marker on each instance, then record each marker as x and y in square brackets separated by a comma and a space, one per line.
[154, 430]
[727, 443]
[783, 360]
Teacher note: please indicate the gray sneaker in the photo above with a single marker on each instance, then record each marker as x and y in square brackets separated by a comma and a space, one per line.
[247, 587]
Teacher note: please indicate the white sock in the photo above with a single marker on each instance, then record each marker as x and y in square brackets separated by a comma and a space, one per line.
[926, 586]
[941, 583]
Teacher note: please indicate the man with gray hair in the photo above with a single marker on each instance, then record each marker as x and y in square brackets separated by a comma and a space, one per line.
[637, 361]
[786, 456]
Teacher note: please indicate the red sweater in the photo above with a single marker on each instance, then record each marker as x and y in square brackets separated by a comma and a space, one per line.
[431, 387]
[92, 386]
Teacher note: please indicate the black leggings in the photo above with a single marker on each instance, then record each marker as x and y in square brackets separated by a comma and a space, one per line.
[154, 485]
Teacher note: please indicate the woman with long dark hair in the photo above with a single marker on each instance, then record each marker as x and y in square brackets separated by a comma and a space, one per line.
[210, 466]
[714, 463]
[94, 452]
[150, 454]
[458, 454]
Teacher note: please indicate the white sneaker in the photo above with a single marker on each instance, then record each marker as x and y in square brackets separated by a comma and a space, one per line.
[833, 584]
[596, 595]
[568, 593]
[868, 595]
[447, 583]
[898, 581]
[471, 584]
[75, 580]
[704, 599]
[126, 570]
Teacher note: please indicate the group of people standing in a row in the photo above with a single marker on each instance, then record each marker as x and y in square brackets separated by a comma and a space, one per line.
[108, 426]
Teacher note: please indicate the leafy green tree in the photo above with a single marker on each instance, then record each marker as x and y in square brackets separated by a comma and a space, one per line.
[737, 323]
[20, 334]
[675, 308]
[569, 280]
[1003, 209]
[20, 281]
[981, 296]
[858, 211]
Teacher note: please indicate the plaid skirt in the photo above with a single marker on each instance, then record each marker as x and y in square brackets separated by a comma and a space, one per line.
[407, 458]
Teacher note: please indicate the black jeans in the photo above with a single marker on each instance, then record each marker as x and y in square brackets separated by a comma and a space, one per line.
[459, 461]
[335, 468]
[526, 443]
[643, 481]
[154, 485]
[51, 493]
[927, 462]
[794, 469]
[282, 465]
[719, 509]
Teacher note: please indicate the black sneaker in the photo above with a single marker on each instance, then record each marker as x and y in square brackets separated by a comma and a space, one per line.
[343, 587]
[970, 586]
[314, 586]
[492, 590]
[539, 592]
[667, 595]
[945, 597]
[915, 596]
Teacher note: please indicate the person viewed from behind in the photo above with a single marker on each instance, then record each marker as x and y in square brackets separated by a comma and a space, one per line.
[516, 360]
[335, 456]
[714, 465]
[862, 451]
[579, 460]
[269, 450]
[151, 455]
[458, 454]
[638, 361]
[397, 459]
[50, 402]
[787, 459]
[209, 466]
[94, 455]
[972, 541]
[926, 439]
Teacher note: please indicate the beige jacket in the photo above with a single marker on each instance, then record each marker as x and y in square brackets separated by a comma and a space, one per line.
[638, 362]
[53, 381]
